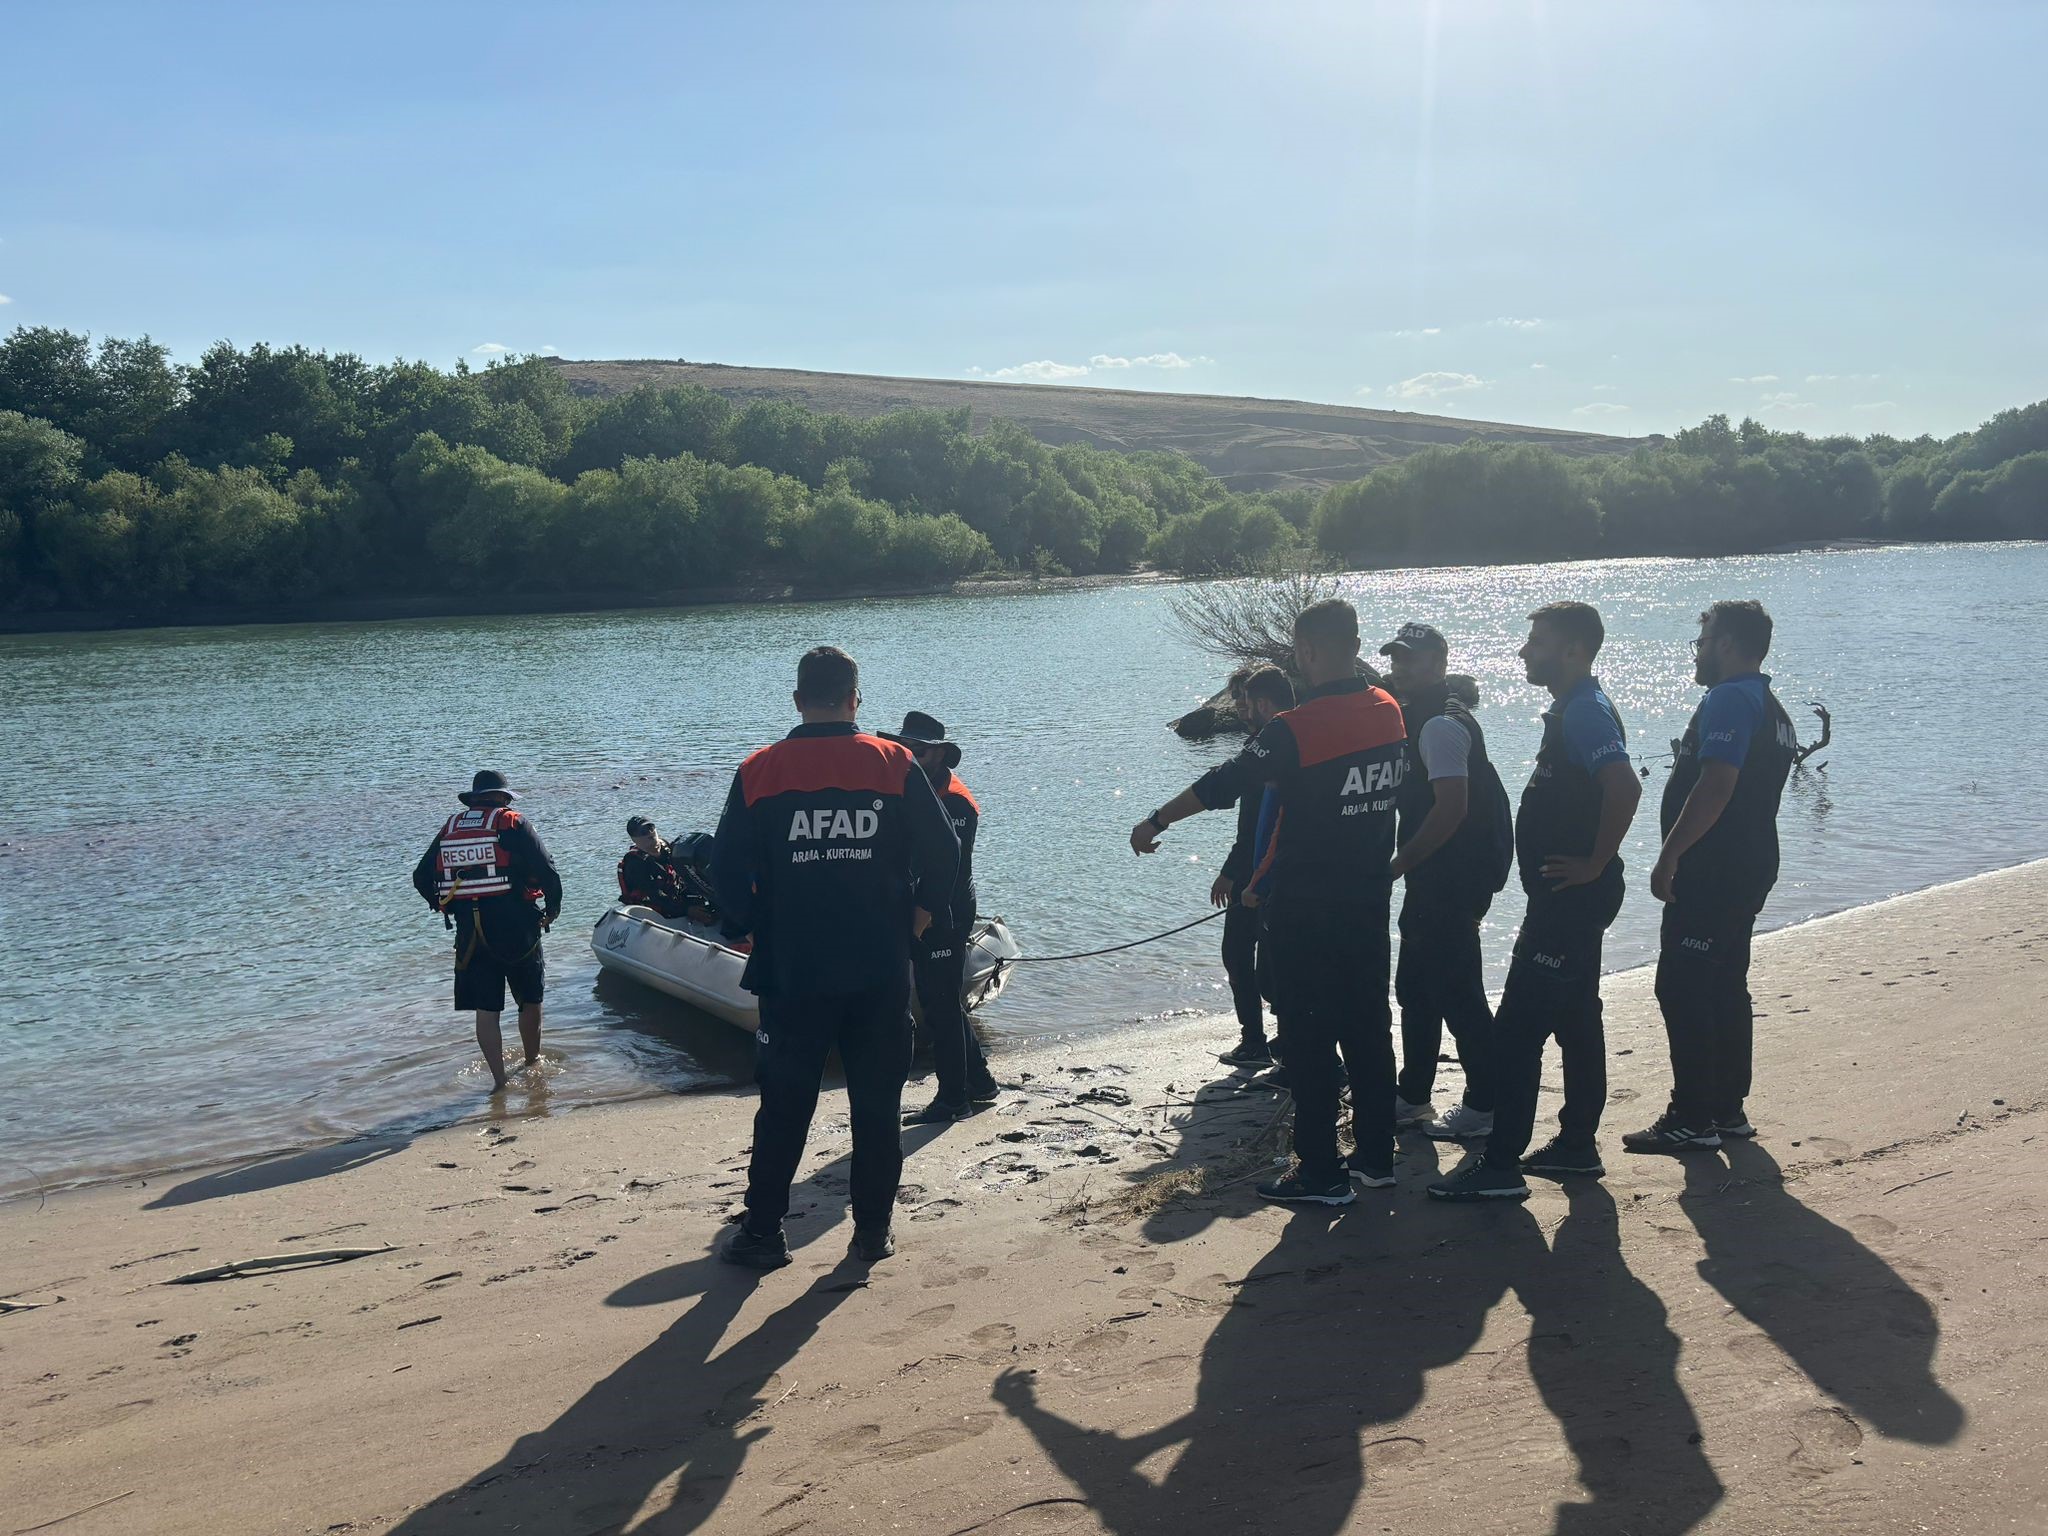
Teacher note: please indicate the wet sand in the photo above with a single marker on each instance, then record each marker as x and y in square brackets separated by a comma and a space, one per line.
[1092, 1325]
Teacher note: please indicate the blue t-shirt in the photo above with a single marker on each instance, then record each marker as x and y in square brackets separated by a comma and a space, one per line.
[1262, 842]
[1592, 731]
[1729, 716]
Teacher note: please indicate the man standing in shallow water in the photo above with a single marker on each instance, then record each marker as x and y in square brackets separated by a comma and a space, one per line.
[484, 871]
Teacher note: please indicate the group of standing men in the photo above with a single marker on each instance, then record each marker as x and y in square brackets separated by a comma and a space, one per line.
[1354, 787]
[843, 866]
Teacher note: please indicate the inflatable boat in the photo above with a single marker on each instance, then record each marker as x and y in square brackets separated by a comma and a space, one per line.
[690, 960]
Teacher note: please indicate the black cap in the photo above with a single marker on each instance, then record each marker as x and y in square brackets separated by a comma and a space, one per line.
[488, 781]
[1417, 637]
[921, 733]
[635, 825]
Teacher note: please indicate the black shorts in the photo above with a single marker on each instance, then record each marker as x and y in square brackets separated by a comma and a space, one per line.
[480, 984]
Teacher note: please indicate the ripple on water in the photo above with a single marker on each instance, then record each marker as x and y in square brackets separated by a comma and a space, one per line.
[209, 832]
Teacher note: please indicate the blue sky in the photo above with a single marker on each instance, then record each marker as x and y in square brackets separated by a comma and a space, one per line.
[1624, 217]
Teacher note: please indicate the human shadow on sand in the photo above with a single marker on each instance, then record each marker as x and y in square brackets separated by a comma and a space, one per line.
[1326, 1348]
[681, 1409]
[1851, 1322]
[276, 1170]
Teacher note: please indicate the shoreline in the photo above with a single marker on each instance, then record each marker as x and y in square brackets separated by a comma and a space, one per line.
[779, 593]
[1091, 1326]
[1024, 1049]
[392, 610]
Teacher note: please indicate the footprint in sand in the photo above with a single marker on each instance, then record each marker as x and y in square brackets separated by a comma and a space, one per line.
[743, 1399]
[1392, 1453]
[917, 1323]
[1869, 1227]
[1825, 1440]
[863, 1442]
[1084, 1354]
[992, 1334]
[943, 1274]
[1144, 1373]
[1828, 1146]
[1148, 1278]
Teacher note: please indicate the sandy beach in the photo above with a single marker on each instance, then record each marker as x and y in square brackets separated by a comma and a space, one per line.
[1092, 1325]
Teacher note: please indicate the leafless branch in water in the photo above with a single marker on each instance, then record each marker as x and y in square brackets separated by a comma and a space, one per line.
[1251, 618]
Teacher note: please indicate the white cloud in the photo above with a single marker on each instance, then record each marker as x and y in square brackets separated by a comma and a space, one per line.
[1047, 370]
[1782, 397]
[1603, 389]
[1876, 405]
[4, 299]
[490, 349]
[1599, 408]
[550, 351]
[1511, 323]
[1428, 386]
[1757, 378]
[1044, 371]
[1151, 360]
[1427, 330]
[1849, 378]
[1539, 367]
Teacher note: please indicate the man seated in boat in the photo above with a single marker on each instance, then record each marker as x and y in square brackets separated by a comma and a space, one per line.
[648, 876]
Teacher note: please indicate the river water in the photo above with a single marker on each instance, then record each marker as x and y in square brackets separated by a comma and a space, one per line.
[206, 835]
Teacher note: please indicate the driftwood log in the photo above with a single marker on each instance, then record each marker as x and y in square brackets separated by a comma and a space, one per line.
[275, 1261]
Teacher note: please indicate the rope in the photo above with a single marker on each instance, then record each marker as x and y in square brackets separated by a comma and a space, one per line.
[478, 936]
[1090, 954]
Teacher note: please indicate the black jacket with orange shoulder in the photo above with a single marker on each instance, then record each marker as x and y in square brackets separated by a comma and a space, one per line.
[826, 836]
[1337, 760]
[965, 813]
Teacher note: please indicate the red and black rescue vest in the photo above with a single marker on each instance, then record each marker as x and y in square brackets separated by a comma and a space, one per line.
[472, 861]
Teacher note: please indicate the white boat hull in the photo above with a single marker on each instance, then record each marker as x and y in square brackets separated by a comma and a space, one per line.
[691, 962]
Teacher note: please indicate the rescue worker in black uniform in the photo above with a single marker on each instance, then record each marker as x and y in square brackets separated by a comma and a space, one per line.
[1574, 814]
[488, 874]
[829, 841]
[1242, 965]
[1717, 866]
[1456, 845]
[648, 876]
[939, 958]
[1337, 761]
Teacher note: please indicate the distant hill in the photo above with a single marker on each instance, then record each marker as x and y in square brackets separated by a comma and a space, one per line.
[1253, 445]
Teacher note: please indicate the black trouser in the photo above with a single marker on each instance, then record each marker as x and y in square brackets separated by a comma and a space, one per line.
[1553, 989]
[1441, 981]
[1703, 986]
[1330, 963]
[872, 1031]
[1241, 966]
[939, 962]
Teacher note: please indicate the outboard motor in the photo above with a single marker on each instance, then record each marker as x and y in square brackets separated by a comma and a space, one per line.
[694, 851]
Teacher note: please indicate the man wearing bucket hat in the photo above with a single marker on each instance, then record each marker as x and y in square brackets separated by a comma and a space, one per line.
[484, 872]
[939, 958]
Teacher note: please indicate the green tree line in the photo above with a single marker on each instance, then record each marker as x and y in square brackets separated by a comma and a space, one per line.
[269, 476]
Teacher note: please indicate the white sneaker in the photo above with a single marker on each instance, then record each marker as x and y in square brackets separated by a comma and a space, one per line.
[1411, 1114]
[1463, 1123]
